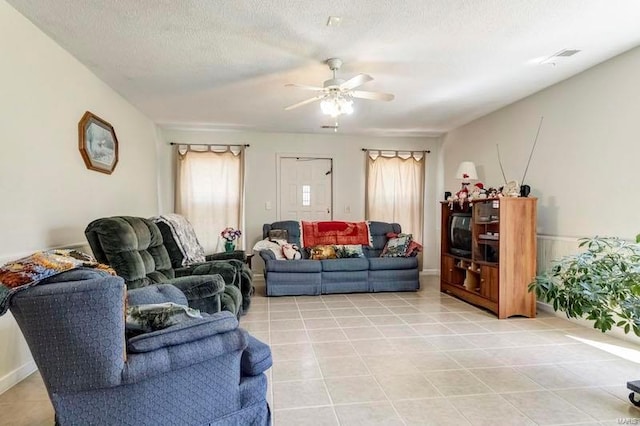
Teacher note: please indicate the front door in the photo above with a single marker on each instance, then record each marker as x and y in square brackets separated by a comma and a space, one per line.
[305, 188]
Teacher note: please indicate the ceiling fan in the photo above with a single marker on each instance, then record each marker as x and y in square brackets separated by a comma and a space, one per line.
[336, 95]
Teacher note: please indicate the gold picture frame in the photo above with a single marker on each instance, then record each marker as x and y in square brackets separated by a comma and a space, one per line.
[97, 143]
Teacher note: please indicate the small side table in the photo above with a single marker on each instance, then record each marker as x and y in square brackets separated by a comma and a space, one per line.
[248, 260]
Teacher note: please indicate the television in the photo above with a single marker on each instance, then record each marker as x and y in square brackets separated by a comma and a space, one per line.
[460, 234]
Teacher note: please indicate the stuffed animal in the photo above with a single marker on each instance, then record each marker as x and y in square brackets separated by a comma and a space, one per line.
[291, 251]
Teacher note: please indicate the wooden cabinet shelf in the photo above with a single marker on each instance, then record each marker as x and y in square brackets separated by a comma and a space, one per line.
[502, 256]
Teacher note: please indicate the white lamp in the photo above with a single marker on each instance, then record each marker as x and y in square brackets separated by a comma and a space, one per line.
[466, 172]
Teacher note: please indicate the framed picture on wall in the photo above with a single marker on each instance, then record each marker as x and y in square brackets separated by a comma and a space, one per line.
[98, 143]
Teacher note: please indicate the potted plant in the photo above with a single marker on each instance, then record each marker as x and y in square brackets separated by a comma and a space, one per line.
[600, 284]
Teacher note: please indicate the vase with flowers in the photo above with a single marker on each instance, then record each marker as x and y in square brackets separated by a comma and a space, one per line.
[230, 236]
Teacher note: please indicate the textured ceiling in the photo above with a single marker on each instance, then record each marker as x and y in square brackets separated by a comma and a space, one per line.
[223, 64]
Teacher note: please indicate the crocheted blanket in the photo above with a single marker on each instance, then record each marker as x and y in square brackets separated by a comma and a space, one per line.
[184, 236]
[29, 271]
[334, 232]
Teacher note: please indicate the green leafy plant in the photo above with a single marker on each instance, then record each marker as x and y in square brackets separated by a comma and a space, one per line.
[600, 284]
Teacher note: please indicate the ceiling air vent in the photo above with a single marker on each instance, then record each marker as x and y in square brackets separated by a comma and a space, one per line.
[560, 56]
[567, 52]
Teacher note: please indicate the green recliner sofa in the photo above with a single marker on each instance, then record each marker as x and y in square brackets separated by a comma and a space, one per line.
[188, 257]
[134, 248]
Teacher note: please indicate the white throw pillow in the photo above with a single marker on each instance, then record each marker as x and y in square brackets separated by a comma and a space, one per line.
[269, 245]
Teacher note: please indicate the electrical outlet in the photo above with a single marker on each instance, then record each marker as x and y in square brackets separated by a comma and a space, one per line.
[347, 209]
[267, 205]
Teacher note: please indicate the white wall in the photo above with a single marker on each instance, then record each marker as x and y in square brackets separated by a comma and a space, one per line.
[586, 161]
[48, 196]
[349, 174]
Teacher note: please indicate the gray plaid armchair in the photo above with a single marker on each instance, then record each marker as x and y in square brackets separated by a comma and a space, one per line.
[203, 371]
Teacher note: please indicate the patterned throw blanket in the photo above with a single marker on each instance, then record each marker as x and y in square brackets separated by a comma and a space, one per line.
[332, 233]
[29, 271]
[184, 236]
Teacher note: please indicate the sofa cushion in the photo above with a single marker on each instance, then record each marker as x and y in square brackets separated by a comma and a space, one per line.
[294, 266]
[348, 251]
[390, 263]
[397, 246]
[322, 252]
[340, 265]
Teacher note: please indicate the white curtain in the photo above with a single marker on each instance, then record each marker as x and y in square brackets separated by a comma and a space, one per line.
[210, 191]
[395, 189]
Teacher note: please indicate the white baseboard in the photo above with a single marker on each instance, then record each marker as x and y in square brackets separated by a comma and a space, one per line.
[430, 272]
[16, 376]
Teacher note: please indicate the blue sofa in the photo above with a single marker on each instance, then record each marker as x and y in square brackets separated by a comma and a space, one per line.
[311, 277]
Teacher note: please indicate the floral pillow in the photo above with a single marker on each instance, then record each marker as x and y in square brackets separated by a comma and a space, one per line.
[322, 252]
[397, 246]
[348, 251]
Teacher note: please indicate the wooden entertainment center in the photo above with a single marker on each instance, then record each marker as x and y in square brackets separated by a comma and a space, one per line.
[494, 269]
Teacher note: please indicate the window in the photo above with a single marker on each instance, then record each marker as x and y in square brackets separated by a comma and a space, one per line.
[210, 190]
[395, 189]
[306, 195]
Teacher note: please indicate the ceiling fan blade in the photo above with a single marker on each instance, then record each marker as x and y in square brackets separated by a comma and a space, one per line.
[374, 96]
[307, 101]
[303, 86]
[356, 81]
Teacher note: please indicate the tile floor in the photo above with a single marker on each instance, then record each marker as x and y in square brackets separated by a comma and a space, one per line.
[418, 358]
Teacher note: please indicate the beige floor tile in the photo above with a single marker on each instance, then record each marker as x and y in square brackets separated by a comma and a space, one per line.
[369, 414]
[289, 336]
[432, 361]
[450, 342]
[279, 325]
[299, 369]
[386, 320]
[31, 389]
[497, 326]
[308, 393]
[394, 302]
[283, 307]
[408, 386]
[505, 379]
[346, 390]
[371, 311]
[404, 310]
[312, 306]
[263, 336]
[327, 335]
[343, 367]
[465, 328]
[605, 373]
[475, 358]
[456, 382]
[366, 303]
[410, 345]
[255, 316]
[420, 318]
[599, 404]
[321, 313]
[553, 376]
[340, 304]
[320, 416]
[292, 351]
[545, 407]
[319, 323]
[353, 322]
[375, 347]
[392, 331]
[286, 315]
[432, 329]
[360, 333]
[333, 349]
[346, 312]
[252, 326]
[445, 317]
[429, 412]
[390, 366]
[489, 410]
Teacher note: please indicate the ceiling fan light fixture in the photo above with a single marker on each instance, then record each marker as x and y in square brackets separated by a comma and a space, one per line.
[336, 105]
